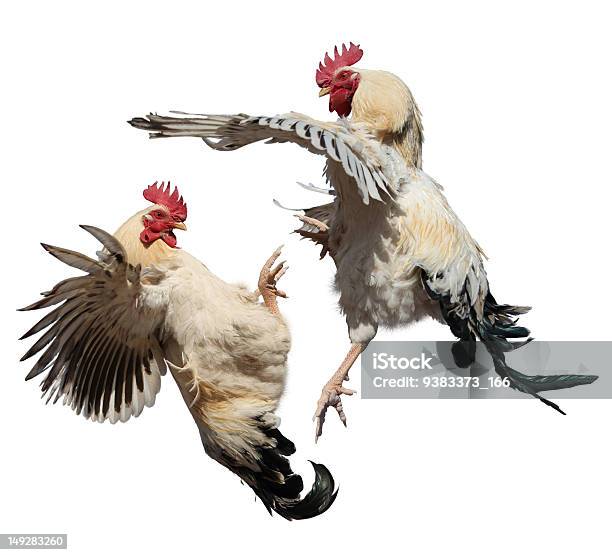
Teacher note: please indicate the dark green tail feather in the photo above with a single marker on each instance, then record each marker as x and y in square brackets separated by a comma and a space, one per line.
[494, 329]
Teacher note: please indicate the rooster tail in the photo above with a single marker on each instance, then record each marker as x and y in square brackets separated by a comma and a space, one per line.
[279, 488]
[497, 326]
[315, 502]
[240, 431]
[268, 473]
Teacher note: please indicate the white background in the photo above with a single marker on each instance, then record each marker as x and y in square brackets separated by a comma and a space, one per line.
[516, 107]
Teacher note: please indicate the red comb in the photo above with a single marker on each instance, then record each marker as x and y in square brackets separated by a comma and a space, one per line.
[348, 57]
[173, 202]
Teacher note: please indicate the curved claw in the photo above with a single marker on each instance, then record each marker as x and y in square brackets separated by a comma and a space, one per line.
[268, 279]
[330, 397]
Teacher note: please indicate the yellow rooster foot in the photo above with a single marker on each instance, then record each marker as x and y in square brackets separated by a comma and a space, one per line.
[330, 397]
[268, 279]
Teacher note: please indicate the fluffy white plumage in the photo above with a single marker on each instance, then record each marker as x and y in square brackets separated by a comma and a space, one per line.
[144, 307]
[380, 250]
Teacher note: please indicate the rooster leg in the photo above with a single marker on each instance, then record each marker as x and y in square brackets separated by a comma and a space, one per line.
[330, 395]
[268, 278]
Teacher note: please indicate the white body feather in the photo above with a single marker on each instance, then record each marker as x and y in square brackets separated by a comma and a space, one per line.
[379, 249]
[226, 351]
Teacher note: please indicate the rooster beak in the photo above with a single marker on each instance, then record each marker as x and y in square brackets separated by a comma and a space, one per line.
[180, 225]
[324, 91]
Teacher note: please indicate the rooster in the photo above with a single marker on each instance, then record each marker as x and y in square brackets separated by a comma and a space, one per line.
[146, 305]
[400, 251]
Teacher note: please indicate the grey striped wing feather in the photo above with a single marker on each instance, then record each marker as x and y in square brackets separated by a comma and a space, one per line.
[100, 350]
[338, 141]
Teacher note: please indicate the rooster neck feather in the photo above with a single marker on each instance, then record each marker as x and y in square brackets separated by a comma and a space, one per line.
[385, 104]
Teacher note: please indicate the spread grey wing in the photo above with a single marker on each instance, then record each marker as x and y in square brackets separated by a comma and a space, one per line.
[101, 350]
[357, 153]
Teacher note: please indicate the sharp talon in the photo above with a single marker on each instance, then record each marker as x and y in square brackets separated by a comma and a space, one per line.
[331, 397]
[321, 226]
[347, 391]
[268, 278]
[333, 390]
[277, 269]
[341, 413]
[318, 429]
[277, 252]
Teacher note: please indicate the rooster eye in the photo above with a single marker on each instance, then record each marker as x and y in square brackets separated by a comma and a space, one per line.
[159, 214]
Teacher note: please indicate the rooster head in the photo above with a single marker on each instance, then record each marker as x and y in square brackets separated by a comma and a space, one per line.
[168, 213]
[335, 78]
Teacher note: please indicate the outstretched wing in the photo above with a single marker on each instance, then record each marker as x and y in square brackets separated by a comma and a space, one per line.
[101, 348]
[359, 154]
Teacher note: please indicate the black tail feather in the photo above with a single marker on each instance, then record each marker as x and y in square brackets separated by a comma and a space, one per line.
[494, 330]
[279, 488]
[496, 326]
[315, 502]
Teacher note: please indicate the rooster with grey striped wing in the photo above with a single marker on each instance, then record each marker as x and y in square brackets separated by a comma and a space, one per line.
[401, 252]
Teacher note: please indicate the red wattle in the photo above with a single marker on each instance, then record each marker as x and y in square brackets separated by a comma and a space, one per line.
[170, 239]
[340, 102]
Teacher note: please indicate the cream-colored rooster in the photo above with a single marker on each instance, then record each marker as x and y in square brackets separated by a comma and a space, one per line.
[145, 305]
[401, 252]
